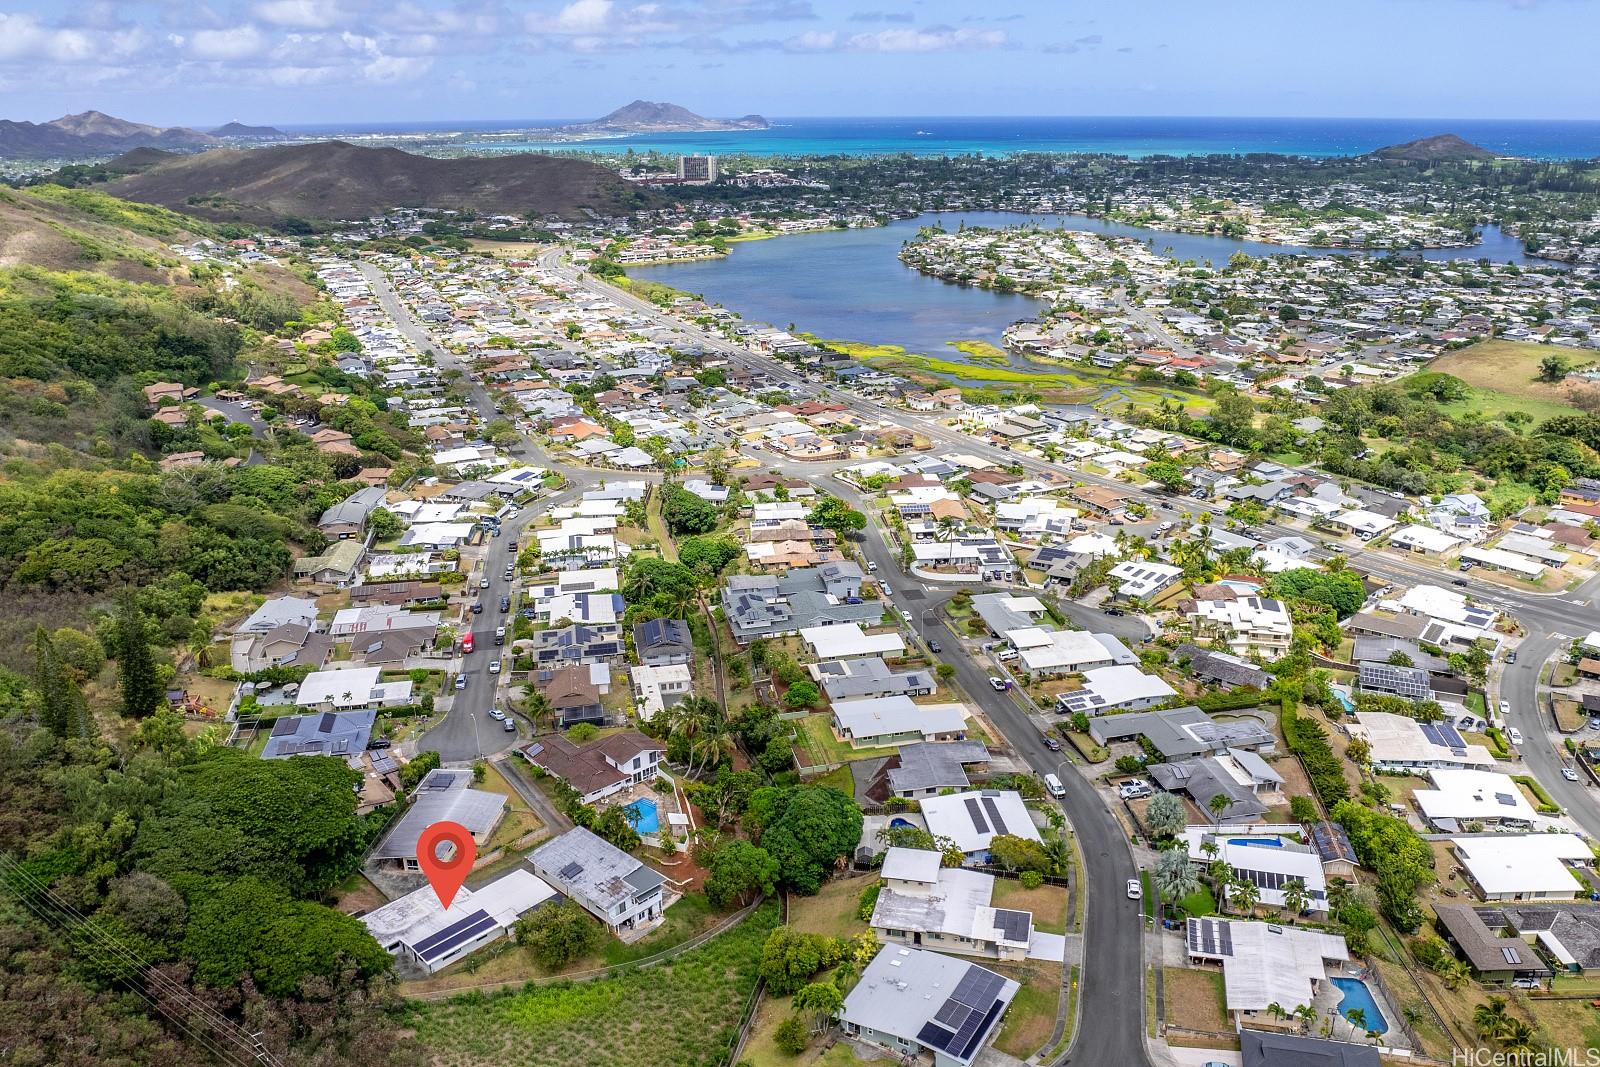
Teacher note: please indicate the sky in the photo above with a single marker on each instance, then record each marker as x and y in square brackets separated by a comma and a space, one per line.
[351, 61]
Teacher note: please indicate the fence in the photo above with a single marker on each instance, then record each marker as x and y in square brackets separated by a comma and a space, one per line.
[597, 973]
[747, 1016]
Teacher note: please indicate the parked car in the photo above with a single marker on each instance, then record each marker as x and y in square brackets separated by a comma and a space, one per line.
[1051, 743]
[511, 725]
[477, 607]
[1569, 774]
[1135, 889]
[1511, 657]
[906, 615]
[1515, 735]
[461, 681]
[496, 713]
[1459, 581]
[1008, 654]
[999, 685]
[1134, 790]
[379, 742]
[1053, 786]
[505, 605]
[934, 646]
[872, 568]
[494, 666]
[1526, 983]
[885, 590]
[1115, 611]
[483, 583]
[1505, 708]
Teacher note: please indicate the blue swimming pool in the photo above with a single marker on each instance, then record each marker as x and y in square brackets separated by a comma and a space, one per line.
[1256, 842]
[1349, 705]
[643, 816]
[1357, 995]
[898, 822]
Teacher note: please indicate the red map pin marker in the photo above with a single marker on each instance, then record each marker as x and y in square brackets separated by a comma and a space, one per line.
[447, 875]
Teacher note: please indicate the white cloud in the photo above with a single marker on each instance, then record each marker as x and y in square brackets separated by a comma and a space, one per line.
[584, 16]
[22, 37]
[239, 42]
[934, 39]
[306, 14]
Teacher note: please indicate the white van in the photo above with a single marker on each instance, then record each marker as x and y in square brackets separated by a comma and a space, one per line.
[1053, 786]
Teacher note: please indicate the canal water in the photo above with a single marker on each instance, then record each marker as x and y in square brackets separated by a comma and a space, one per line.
[850, 284]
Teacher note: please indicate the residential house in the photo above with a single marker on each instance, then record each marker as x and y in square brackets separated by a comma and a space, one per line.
[442, 796]
[417, 928]
[920, 770]
[878, 722]
[924, 904]
[328, 733]
[661, 642]
[915, 1003]
[573, 694]
[1265, 964]
[976, 817]
[610, 884]
[1123, 686]
[600, 768]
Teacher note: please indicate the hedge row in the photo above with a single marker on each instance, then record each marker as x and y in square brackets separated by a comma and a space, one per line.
[1308, 740]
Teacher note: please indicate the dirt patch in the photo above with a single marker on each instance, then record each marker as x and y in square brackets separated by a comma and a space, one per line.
[833, 910]
[1194, 999]
[1048, 903]
[1510, 367]
[359, 896]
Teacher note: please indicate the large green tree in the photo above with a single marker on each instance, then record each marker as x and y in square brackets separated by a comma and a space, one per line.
[807, 829]
[142, 691]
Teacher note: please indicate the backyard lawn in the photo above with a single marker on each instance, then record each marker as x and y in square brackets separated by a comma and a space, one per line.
[833, 910]
[1048, 903]
[685, 1011]
[821, 747]
[1200, 902]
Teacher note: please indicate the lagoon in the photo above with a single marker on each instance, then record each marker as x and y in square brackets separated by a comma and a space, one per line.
[849, 285]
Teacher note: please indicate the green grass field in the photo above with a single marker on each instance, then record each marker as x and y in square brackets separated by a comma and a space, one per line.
[1504, 377]
[685, 1011]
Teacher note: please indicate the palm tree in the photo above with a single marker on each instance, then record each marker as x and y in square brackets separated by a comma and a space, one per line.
[1175, 877]
[1294, 897]
[1306, 1014]
[822, 1000]
[1453, 973]
[1357, 1017]
[1517, 1036]
[1245, 893]
[1219, 805]
[1491, 1018]
[1276, 1010]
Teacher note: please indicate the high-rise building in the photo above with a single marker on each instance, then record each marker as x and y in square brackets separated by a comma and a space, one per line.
[700, 169]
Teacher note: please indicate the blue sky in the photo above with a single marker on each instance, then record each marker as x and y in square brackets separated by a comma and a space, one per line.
[310, 61]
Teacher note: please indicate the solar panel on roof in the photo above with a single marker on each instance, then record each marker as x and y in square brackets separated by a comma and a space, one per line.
[284, 726]
[977, 987]
[976, 815]
[995, 820]
[572, 870]
[327, 722]
[436, 945]
[1511, 955]
[1013, 924]
[935, 1036]
[952, 1014]
[970, 1034]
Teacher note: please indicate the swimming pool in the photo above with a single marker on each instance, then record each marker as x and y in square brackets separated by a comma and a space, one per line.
[1256, 842]
[1349, 705]
[897, 822]
[642, 815]
[1357, 995]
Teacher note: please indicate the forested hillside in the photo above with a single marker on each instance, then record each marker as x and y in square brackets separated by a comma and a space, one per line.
[138, 854]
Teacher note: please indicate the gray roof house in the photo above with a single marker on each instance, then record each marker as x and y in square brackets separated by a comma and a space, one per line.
[869, 676]
[663, 642]
[1205, 777]
[769, 606]
[443, 796]
[611, 885]
[346, 518]
[1260, 1048]
[1223, 669]
[910, 1001]
[1178, 733]
[927, 767]
[574, 644]
[328, 733]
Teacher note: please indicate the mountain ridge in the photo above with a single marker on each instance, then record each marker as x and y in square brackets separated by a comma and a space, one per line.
[650, 116]
[1440, 148]
[92, 133]
[338, 181]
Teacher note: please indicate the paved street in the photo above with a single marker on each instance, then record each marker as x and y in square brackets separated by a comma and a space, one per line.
[1519, 687]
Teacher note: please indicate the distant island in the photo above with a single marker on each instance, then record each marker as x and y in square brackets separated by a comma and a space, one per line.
[645, 116]
[92, 133]
[238, 131]
[1442, 148]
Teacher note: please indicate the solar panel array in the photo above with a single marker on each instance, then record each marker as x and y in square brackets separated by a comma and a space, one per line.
[1210, 937]
[975, 813]
[963, 1019]
[995, 820]
[571, 870]
[1016, 925]
[437, 945]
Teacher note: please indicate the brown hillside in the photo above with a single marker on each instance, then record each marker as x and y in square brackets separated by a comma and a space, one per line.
[332, 180]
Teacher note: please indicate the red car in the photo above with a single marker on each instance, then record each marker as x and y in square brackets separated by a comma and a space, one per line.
[466, 643]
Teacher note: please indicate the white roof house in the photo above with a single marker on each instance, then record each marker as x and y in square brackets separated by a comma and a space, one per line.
[1424, 539]
[1401, 742]
[847, 640]
[1067, 651]
[356, 687]
[1140, 578]
[1523, 866]
[1265, 963]
[1434, 602]
[1465, 796]
[418, 927]
[1109, 688]
[924, 902]
[1269, 865]
[911, 1001]
[892, 720]
[1501, 560]
[974, 818]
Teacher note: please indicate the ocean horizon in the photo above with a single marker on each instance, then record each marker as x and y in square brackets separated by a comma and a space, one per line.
[1133, 136]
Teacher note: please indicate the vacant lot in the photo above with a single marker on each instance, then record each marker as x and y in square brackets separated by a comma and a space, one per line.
[1048, 903]
[1194, 999]
[1504, 376]
[1032, 1015]
[685, 1011]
